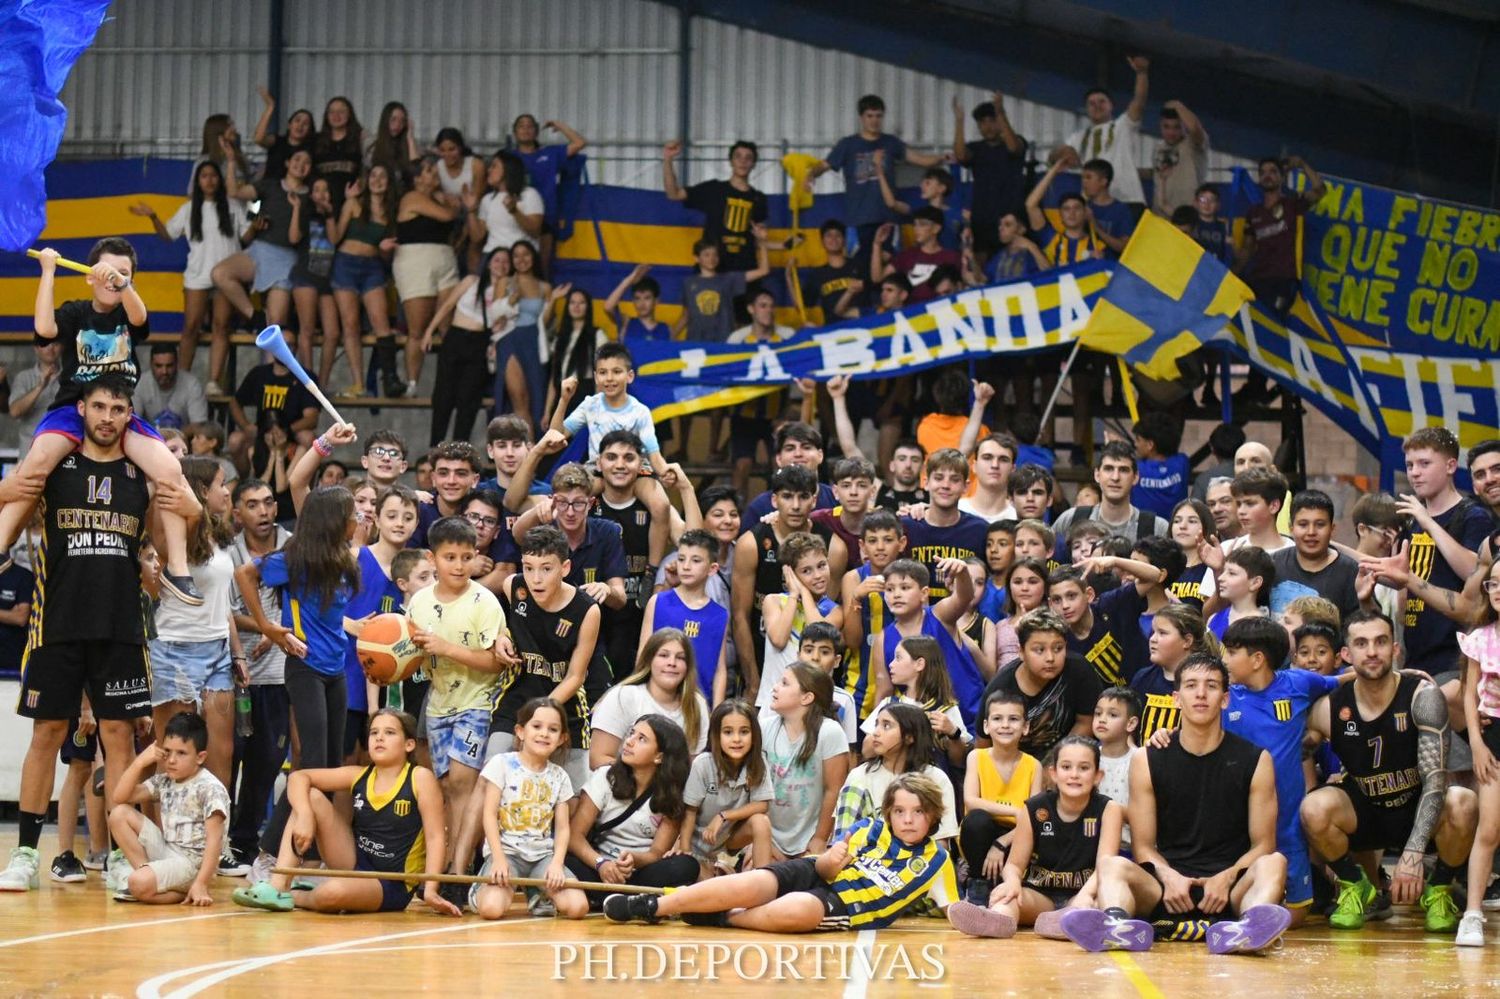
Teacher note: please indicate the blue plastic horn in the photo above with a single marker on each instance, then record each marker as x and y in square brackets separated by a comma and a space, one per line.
[271, 339]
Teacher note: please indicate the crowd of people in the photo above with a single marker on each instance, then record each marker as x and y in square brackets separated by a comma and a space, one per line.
[1167, 705]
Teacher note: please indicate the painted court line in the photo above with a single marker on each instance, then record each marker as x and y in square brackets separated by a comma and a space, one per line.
[221, 971]
[1144, 986]
[859, 976]
[112, 927]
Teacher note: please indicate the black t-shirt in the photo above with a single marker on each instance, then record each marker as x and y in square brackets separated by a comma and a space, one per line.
[1051, 713]
[545, 640]
[281, 395]
[635, 536]
[1335, 582]
[824, 286]
[88, 587]
[999, 180]
[1116, 647]
[92, 344]
[338, 160]
[15, 588]
[727, 216]
[277, 210]
[1203, 804]
[893, 499]
[1431, 637]
[281, 150]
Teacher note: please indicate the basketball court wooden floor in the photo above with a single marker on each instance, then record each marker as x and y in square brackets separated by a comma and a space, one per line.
[71, 940]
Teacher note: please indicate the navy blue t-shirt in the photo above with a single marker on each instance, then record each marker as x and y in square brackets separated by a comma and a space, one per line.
[853, 155]
[761, 505]
[1432, 637]
[930, 545]
[15, 588]
[1115, 646]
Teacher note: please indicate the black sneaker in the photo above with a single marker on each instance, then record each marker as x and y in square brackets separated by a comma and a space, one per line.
[1380, 909]
[706, 918]
[457, 894]
[233, 866]
[1491, 900]
[182, 588]
[979, 892]
[67, 869]
[626, 908]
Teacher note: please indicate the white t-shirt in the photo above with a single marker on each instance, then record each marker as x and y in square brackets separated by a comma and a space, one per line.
[214, 247]
[1116, 142]
[798, 805]
[1007, 512]
[185, 808]
[621, 706]
[529, 800]
[1209, 587]
[635, 834]
[177, 622]
[951, 712]
[1115, 784]
[503, 229]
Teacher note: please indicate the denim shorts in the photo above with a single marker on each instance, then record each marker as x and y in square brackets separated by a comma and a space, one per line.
[273, 265]
[361, 274]
[185, 671]
[458, 738]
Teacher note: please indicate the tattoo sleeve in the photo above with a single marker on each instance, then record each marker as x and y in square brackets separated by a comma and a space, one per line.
[1429, 711]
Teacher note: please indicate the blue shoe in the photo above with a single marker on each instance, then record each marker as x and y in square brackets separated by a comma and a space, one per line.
[1096, 931]
[1257, 928]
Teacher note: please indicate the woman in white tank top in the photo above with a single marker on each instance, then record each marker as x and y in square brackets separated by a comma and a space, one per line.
[458, 169]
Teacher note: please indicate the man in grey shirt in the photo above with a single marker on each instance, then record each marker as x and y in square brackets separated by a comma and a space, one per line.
[32, 392]
[1115, 473]
[170, 398]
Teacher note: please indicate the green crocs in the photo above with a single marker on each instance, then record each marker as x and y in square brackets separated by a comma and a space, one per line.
[1354, 898]
[1442, 911]
[263, 896]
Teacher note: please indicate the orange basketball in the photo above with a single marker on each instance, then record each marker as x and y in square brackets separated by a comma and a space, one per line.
[386, 651]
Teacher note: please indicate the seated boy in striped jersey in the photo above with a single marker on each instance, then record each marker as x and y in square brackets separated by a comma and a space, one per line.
[895, 855]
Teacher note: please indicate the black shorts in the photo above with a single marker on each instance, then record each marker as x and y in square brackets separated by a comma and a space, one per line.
[1377, 828]
[1160, 913]
[83, 749]
[1059, 897]
[801, 875]
[115, 675]
[1490, 733]
[395, 896]
[745, 436]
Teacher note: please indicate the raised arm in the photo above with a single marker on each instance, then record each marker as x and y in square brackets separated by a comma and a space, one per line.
[1137, 108]
[960, 143]
[1315, 186]
[674, 190]
[1013, 142]
[612, 303]
[264, 138]
[1035, 219]
[576, 142]
[234, 186]
[762, 257]
[1191, 124]
[742, 602]
[519, 489]
[838, 391]
[886, 194]
[969, 439]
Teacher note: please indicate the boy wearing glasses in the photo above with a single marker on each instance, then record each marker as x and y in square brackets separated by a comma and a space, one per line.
[384, 459]
[482, 509]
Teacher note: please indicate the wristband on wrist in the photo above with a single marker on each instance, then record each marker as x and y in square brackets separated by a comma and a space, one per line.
[322, 446]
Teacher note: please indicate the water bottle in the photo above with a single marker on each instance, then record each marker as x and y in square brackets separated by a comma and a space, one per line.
[243, 727]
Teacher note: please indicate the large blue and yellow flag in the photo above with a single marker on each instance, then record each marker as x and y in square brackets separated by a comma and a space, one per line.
[1166, 297]
[42, 40]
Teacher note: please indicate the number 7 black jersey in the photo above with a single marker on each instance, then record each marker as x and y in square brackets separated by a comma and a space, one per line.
[1379, 756]
[88, 577]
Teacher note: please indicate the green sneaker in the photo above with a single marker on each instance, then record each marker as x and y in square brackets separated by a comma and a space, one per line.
[1354, 898]
[1442, 911]
[262, 896]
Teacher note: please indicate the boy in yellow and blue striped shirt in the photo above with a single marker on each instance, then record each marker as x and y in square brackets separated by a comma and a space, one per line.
[863, 882]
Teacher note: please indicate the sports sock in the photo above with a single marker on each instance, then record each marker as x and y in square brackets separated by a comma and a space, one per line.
[31, 829]
[1346, 868]
[1443, 874]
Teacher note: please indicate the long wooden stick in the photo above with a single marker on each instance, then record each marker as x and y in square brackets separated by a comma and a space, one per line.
[464, 879]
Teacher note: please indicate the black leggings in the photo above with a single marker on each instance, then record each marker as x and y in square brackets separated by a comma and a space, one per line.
[668, 872]
[976, 834]
[320, 707]
[258, 758]
[462, 375]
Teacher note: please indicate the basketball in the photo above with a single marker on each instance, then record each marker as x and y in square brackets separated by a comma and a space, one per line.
[386, 652]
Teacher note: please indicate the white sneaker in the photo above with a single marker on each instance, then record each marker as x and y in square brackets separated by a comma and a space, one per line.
[117, 874]
[21, 873]
[1470, 931]
[261, 869]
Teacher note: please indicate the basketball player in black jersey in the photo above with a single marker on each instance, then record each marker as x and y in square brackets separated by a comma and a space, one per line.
[757, 572]
[87, 632]
[1203, 830]
[1390, 731]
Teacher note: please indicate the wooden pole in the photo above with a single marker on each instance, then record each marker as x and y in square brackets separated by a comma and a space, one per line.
[464, 879]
